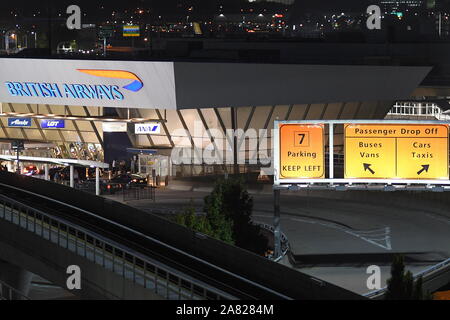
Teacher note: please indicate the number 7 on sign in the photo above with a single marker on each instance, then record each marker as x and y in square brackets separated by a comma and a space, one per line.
[301, 139]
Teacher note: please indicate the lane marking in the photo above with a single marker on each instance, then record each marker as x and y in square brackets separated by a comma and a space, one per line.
[380, 237]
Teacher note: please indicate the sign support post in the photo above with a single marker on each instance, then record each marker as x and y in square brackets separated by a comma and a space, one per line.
[46, 176]
[276, 224]
[331, 151]
[97, 181]
[71, 177]
[379, 155]
[18, 165]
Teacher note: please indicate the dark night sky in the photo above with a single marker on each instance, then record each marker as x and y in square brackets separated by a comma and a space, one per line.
[201, 6]
[167, 4]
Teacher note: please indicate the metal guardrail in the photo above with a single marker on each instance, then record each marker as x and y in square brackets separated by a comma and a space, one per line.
[417, 109]
[9, 293]
[284, 240]
[127, 193]
[138, 193]
[112, 256]
[424, 273]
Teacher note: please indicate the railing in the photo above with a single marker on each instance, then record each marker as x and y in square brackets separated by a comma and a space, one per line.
[424, 273]
[112, 256]
[138, 193]
[9, 293]
[418, 109]
[126, 193]
[284, 240]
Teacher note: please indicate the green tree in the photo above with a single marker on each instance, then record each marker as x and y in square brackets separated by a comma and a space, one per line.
[418, 290]
[401, 285]
[230, 205]
[221, 223]
[191, 220]
[395, 285]
[409, 285]
[228, 217]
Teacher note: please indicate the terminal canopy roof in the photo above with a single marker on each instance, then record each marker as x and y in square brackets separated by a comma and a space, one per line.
[178, 85]
[57, 161]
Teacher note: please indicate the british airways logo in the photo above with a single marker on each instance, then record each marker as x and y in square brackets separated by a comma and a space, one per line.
[52, 124]
[134, 86]
[19, 122]
[147, 128]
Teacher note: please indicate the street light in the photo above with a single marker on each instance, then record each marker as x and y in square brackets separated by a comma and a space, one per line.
[35, 38]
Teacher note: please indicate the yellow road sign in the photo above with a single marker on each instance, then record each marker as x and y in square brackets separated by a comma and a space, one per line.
[400, 151]
[369, 158]
[301, 151]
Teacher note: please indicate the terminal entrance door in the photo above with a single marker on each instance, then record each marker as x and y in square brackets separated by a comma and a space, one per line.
[156, 167]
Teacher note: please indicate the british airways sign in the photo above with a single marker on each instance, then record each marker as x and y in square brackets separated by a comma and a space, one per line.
[88, 83]
[53, 124]
[19, 122]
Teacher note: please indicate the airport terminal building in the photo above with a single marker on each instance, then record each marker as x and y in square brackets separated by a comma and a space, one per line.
[217, 113]
[296, 99]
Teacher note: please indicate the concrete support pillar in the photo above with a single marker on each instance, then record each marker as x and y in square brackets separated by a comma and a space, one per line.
[331, 152]
[139, 164]
[97, 181]
[276, 224]
[15, 277]
[71, 177]
[46, 175]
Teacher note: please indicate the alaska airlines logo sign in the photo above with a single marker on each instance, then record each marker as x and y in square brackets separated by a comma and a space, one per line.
[78, 90]
[19, 122]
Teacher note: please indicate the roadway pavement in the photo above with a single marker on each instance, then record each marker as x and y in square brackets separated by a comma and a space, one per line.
[42, 289]
[317, 227]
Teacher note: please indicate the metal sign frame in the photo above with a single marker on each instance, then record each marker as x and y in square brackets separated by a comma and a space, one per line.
[333, 184]
[331, 180]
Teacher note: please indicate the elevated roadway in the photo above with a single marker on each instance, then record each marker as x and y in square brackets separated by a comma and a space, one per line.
[335, 236]
[126, 254]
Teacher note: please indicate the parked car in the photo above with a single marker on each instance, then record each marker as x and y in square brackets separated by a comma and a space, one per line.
[30, 170]
[131, 180]
[81, 174]
[106, 187]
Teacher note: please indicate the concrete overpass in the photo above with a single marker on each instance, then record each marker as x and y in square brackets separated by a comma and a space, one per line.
[124, 254]
[334, 236]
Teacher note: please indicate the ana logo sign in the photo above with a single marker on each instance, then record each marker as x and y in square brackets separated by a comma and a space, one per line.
[52, 124]
[147, 128]
[19, 122]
